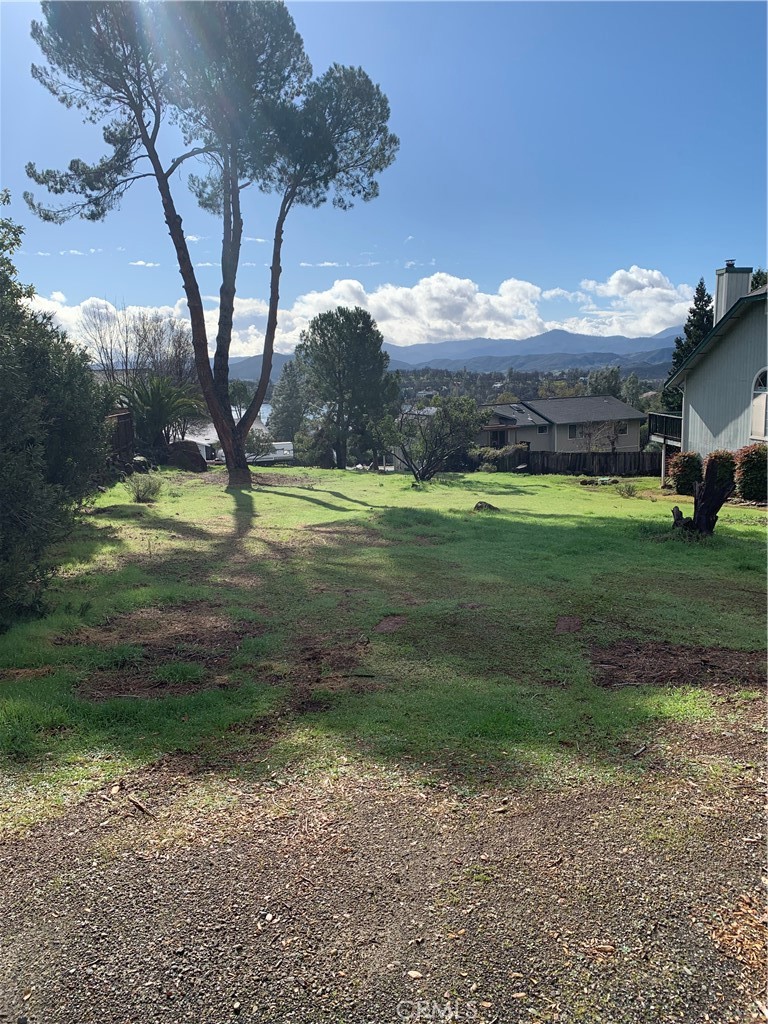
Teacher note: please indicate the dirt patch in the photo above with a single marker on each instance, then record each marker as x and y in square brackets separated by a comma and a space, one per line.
[278, 480]
[390, 624]
[567, 624]
[18, 675]
[346, 533]
[103, 686]
[135, 646]
[634, 663]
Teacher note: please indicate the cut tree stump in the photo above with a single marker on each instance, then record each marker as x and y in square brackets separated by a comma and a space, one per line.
[709, 496]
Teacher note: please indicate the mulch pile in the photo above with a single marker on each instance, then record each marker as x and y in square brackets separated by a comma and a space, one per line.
[636, 663]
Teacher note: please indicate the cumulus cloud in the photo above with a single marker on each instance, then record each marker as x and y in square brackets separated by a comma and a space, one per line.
[142, 263]
[639, 302]
[70, 252]
[441, 307]
[42, 254]
[193, 238]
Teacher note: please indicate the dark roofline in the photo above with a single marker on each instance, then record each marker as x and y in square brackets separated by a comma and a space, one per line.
[574, 398]
[720, 329]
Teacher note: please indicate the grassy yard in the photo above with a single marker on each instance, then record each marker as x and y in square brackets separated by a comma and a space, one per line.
[330, 627]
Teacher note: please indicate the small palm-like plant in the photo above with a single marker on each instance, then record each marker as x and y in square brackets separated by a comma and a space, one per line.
[159, 407]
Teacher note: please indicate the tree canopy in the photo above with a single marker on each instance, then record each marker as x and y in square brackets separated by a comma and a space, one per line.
[346, 372]
[235, 79]
[697, 327]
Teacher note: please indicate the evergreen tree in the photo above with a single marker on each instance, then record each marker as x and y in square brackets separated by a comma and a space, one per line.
[605, 380]
[289, 403]
[51, 434]
[346, 371]
[759, 279]
[631, 391]
[697, 327]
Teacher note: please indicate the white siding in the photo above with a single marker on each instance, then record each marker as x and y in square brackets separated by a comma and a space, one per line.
[717, 403]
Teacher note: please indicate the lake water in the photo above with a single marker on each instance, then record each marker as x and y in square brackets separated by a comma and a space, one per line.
[206, 434]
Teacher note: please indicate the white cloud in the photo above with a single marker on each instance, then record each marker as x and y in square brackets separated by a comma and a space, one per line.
[142, 263]
[323, 263]
[42, 254]
[249, 238]
[70, 252]
[205, 264]
[443, 307]
[194, 238]
[92, 251]
[121, 248]
[408, 239]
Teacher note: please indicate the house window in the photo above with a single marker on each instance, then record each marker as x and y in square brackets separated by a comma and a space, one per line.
[498, 438]
[760, 407]
[543, 428]
[574, 431]
[621, 427]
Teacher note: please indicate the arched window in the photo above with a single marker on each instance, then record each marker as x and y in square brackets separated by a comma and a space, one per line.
[760, 407]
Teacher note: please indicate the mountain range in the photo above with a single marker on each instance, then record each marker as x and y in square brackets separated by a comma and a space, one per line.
[551, 351]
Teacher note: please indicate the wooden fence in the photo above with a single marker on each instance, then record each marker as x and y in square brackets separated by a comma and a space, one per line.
[121, 440]
[584, 463]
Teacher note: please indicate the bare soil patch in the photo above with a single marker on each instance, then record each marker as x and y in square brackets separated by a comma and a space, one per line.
[196, 634]
[346, 533]
[636, 663]
[390, 624]
[278, 480]
[567, 624]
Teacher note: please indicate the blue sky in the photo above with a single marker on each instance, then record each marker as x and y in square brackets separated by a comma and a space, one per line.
[574, 165]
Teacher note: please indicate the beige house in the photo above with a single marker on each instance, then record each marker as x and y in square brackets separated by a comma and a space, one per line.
[587, 423]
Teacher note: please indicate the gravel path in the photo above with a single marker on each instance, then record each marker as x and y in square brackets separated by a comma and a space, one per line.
[370, 897]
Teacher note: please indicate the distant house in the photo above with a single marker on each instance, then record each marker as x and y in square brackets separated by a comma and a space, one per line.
[585, 423]
[724, 378]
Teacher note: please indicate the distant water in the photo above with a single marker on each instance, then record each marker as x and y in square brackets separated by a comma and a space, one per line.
[206, 433]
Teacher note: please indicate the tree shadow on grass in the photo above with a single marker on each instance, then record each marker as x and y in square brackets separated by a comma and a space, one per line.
[476, 674]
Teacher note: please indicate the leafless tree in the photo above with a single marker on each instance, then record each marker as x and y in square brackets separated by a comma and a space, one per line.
[127, 344]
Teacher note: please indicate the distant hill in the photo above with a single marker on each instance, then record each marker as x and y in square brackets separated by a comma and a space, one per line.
[551, 351]
[249, 368]
[551, 342]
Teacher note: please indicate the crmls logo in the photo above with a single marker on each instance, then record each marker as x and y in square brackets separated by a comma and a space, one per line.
[425, 1009]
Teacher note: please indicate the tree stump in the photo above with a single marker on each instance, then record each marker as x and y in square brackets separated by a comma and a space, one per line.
[709, 496]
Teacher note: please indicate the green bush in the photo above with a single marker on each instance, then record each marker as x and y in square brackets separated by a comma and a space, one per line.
[751, 475]
[143, 487]
[52, 435]
[726, 465]
[627, 490]
[487, 467]
[685, 470]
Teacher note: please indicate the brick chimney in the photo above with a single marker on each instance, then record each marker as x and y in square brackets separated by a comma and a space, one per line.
[732, 285]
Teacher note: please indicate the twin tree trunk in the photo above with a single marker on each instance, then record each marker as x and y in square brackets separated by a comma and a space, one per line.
[709, 496]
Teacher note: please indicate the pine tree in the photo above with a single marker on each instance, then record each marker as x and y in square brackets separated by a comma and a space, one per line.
[289, 404]
[759, 279]
[697, 327]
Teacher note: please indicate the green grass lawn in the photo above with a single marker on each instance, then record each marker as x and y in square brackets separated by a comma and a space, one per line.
[244, 628]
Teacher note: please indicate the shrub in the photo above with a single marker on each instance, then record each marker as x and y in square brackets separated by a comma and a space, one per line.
[627, 490]
[143, 487]
[751, 475]
[685, 470]
[487, 467]
[726, 465]
[51, 435]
